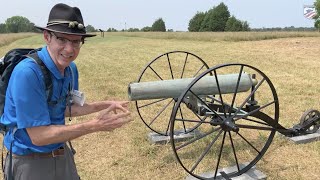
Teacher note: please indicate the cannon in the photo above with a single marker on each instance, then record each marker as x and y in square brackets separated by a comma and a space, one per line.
[235, 107]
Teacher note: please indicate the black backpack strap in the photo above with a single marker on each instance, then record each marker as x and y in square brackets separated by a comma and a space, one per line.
[46, 74]
[10, 174]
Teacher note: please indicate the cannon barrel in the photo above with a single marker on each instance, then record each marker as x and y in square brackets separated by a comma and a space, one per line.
[205, 86]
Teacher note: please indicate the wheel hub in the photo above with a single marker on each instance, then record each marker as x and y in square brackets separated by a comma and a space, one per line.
[229, 125]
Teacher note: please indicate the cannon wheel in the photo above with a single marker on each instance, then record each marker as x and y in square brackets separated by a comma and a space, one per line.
[236, 131]
[311, 113]
[171, 65]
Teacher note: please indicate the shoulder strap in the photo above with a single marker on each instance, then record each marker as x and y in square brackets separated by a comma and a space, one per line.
[72, 77]
[45, 72]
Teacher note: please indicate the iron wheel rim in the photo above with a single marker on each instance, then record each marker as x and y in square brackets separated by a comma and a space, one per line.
[176, 147]
[166, 107]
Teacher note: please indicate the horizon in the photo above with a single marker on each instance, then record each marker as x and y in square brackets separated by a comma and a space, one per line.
[125, 14]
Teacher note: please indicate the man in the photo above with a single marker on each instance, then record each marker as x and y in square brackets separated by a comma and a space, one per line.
[39, 136]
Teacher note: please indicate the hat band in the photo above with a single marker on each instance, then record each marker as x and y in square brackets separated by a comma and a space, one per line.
[71, 24]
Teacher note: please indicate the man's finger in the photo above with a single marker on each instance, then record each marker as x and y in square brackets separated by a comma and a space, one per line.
[124, 104]
[121, 115]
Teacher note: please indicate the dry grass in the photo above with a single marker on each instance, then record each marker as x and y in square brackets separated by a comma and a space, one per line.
[219, 36]
[5, 39]
[107, 65]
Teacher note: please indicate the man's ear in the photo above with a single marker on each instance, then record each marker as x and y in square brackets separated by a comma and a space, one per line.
[47, 36]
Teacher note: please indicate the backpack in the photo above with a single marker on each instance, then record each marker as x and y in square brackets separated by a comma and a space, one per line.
[7, 64]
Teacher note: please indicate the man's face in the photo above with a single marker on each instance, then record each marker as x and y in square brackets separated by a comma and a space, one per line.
[63, 48]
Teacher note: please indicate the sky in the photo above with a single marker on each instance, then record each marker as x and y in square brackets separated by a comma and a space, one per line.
[125, 14]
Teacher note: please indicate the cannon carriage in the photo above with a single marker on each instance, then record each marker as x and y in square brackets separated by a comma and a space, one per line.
[234, 106]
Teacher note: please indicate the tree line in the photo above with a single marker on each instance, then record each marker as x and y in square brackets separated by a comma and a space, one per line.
[316, 18]
[17, 24]
[216, 19]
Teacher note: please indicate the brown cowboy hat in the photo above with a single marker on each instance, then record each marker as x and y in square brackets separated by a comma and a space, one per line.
[67, 20]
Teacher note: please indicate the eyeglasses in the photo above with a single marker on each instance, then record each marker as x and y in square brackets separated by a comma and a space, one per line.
[63, 41]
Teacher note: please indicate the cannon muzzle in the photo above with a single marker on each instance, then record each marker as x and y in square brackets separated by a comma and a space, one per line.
[205, 86]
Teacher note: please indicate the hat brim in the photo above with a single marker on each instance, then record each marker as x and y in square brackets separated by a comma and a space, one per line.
[62, 32]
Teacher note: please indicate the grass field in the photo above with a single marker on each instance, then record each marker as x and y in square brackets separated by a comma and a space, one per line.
[6, 39]
[107, 65]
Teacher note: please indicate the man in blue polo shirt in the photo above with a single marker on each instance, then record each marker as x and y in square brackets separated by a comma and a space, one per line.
[39, 136]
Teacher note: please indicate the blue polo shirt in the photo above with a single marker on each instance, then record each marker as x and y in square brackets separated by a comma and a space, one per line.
[26, 102]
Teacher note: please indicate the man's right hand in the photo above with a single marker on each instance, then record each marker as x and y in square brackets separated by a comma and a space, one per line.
[113, 117]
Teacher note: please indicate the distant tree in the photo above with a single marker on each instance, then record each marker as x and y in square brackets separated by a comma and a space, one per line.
[216, 18]
[159, 25]
[90, 28]
[196, 21]
[292, 28]
[316, 4]
[146, 29]
[112, 30]
[133, 30]
[170, 30]
[245, 26]
[33, 28]
[17, 24]
[233, 24]
[3, 28]
[317, 19]
[317, 24]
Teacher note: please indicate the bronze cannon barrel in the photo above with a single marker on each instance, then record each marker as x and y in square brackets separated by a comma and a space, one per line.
[205, 86]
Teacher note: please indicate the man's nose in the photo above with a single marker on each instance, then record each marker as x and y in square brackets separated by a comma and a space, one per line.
[68, 46]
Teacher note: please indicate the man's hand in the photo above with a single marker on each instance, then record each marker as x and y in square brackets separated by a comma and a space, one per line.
[119, 105]
[115, 116]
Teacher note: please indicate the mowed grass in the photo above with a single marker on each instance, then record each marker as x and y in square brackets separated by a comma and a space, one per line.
[107, 65]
